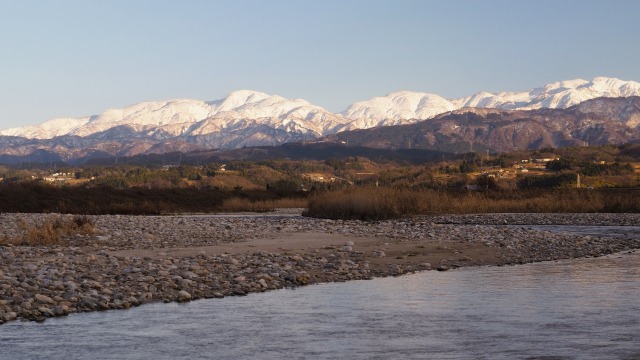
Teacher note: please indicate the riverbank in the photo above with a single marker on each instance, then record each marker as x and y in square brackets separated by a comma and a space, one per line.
[133, 260]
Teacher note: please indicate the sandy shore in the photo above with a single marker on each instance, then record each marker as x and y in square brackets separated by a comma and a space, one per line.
[132, 260]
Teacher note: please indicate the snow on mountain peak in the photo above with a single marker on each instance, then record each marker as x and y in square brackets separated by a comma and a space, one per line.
[562, 94]
[399, 105]
[48, 129]
[403, 106]
[181, 117]
[239, 98]
[612, 87]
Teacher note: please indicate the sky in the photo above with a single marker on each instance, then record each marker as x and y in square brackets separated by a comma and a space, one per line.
[72, 58]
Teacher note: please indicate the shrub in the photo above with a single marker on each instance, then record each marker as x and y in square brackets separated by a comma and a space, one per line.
[559, 165]
[548, 181]
[386, 203]
[363, 204]
[84, 223]
[53, 230]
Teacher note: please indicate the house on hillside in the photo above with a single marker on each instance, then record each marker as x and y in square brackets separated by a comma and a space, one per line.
[544, 160]
[58, 177]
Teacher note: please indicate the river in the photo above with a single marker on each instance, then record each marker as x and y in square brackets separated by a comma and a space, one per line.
[577, 309]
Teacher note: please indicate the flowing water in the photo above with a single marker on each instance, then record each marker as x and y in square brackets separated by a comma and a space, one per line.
[578, 309]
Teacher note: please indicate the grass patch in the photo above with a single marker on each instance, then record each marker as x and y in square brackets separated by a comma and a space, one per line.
[53, 230]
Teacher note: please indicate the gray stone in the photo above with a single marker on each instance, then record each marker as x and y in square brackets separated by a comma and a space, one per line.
[44, 299]
[183, 296]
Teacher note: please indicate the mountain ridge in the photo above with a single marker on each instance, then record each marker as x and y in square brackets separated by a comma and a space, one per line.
[249, 118]
[593, 122]
[178, 116]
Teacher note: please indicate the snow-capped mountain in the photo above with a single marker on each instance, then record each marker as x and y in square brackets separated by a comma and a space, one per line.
[395, 109]
[406, 107]
[597, 121]
[558, 95]
[195, 117]
[246, 108]
[251, 118]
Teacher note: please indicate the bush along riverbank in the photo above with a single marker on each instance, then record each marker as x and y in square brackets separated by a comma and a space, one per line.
[373, 203]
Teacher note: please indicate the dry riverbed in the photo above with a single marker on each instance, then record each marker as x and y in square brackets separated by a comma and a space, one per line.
[132, 260]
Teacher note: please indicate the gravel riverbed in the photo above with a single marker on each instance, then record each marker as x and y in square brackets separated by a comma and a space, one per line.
[133, 260]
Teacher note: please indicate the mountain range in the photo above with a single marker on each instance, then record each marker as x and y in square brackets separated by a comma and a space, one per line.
[251, 118]
[597, 121]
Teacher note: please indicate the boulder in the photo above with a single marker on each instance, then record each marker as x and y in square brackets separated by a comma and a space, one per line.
[183, 296]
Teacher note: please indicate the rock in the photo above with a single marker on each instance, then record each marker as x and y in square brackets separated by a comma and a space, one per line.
[183, 296]
[302, 278]
[189, 275]
[44, 299]
[329, 266]
[45, 311]
[442, 268]
[10, 316]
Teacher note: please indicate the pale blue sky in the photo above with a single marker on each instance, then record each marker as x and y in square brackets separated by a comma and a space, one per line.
[78, 57]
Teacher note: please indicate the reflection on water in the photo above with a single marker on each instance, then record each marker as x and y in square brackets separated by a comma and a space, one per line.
[580, 309]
